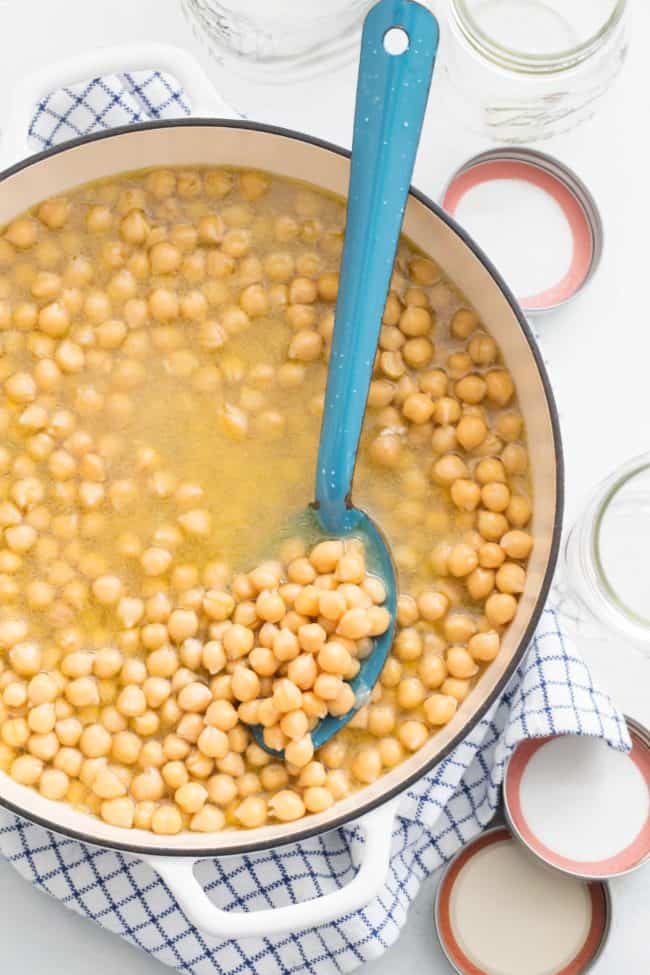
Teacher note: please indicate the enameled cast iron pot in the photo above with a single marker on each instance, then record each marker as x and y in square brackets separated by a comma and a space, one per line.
[233, 142]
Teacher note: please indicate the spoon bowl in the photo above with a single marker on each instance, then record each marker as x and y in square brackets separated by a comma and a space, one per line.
[308, 526]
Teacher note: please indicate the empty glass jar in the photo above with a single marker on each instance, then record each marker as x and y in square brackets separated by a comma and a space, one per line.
[278, 40]
[607, 553]
[524, 70]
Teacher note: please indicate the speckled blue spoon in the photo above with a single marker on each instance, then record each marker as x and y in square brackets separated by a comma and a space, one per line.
[398, 50]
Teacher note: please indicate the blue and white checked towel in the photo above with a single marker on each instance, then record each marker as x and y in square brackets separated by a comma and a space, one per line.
[552, 693]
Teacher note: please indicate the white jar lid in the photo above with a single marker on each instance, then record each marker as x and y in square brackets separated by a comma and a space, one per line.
[534, 218]
[499, 911]
[581, 806]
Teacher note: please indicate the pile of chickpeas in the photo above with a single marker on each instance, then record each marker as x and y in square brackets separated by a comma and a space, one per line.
[164, 340]
[310, 662]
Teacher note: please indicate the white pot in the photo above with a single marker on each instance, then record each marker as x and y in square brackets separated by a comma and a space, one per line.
[208, 140]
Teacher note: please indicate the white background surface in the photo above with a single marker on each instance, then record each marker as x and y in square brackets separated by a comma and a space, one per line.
[598, 352]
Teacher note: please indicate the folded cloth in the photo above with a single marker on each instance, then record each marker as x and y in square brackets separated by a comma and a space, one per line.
[552, 693]
[105, 103]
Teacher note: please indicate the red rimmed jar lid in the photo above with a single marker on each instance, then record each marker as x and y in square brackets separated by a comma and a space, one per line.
[580, 806]
[499, 911]
[535, 219]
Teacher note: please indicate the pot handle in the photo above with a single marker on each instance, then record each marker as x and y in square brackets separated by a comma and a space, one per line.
[178, 874]
[26, 93]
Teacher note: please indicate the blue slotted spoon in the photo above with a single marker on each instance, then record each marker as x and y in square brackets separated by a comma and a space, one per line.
[392, 93]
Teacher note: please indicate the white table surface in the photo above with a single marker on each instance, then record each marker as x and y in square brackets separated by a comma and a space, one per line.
[597, 350]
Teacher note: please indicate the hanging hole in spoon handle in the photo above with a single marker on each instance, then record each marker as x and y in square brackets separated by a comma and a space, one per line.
[396, 41]
[398, 50]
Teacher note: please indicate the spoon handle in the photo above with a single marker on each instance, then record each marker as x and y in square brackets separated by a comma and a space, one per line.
[392, 92]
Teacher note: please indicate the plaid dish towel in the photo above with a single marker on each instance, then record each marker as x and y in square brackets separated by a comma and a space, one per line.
[104, 103]
[552, 693]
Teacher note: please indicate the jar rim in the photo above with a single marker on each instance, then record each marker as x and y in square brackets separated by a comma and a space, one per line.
[639, 465]
[524, 63]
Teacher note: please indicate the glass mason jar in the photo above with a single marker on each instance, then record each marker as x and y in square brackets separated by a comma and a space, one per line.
[525, 70]
[278, 41]
[607, 553]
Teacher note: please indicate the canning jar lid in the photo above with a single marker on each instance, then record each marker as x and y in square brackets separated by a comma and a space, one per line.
[579, 805]
[535, 219]
[500, 911]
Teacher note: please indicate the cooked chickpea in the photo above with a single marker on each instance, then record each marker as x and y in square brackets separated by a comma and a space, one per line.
[491, 555]
[471, 431]
[311, 636]
[95, 741]
[464, 322]
[252, 812]
[462, 560]
[366, 765]
[460, 663]
[515, 458]
[191, 797]
[517, 544]
[484, 646]
[410, 693]
[208, 819]
[131, 701]
[448, 469]
[519, 510]
[118, 812]
[500, 608]
[465, 494]
[82, 692]
[495, 496]
[492, 525]
[194, 697]
[54, 212]
[509, 426]
[432, 670]
[317, 799]
[43, 689]
[457, 688]
[511, 578]
[354, 624]
[412, 734]
[334, 658]
[418, 408]
[26, 769]
[287, 806]
[166, 820]
[480, 583]
[386, 449]
[245, 684]
[155, 561]
[440, 708]
[458, 627]
[20, 387]
[471, 389]
[408, 645]
[107, 589]
[499, 387]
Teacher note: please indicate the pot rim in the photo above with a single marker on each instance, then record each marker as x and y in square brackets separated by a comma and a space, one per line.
[306, 831]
